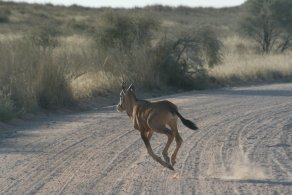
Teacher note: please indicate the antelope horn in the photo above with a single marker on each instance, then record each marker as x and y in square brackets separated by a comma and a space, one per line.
[131, 87]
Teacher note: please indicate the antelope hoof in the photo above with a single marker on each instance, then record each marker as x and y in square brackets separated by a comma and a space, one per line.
[173, 161]
[170, 167]
[166, 158]
[167, 165]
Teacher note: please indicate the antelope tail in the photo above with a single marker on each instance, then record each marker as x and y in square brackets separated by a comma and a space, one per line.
[187, 122]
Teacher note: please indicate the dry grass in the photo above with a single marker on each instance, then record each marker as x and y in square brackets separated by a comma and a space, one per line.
[32, 77]
[93, 84]
[241, 64]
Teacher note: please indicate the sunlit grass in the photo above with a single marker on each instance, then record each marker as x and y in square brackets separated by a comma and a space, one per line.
[241, 64]
[93, 84]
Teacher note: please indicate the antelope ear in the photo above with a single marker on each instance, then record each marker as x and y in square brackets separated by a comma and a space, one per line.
[124, 85]
[132, 87]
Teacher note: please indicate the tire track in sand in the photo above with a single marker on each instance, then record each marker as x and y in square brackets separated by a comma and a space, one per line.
[102, 155]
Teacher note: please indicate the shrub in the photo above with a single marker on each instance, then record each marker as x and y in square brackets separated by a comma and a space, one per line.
[211, 46]
[4, 16]
[125, 31]
[177, 63]
[169, 67]
[53, 86]
[45, 36]
[7, 108]
[181, 61]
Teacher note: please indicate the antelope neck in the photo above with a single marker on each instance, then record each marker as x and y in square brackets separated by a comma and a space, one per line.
[131, 102]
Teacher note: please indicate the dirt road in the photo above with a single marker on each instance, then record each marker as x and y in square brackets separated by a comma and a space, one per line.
[244, 146]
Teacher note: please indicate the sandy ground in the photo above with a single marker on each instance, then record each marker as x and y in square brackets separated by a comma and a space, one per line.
[244, 146]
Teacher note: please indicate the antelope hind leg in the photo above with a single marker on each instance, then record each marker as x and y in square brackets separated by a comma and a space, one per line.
[179, 141]
[170, 136]
[154, 156]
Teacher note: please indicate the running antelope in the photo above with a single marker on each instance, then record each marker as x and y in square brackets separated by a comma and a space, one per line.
[147, 117]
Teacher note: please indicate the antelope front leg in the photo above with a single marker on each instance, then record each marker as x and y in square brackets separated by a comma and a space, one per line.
[151, 153]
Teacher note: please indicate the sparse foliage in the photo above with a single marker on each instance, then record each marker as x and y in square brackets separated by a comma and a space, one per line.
[180, 62]
[125, 31]
[45, 36]
[268, 22]
[211, 46]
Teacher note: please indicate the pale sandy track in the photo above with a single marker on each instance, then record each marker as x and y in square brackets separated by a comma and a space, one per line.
[244, 146]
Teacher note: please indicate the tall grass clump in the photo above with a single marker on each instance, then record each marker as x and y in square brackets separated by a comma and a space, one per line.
[32, 76]
[18, 62]
[53, 84]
